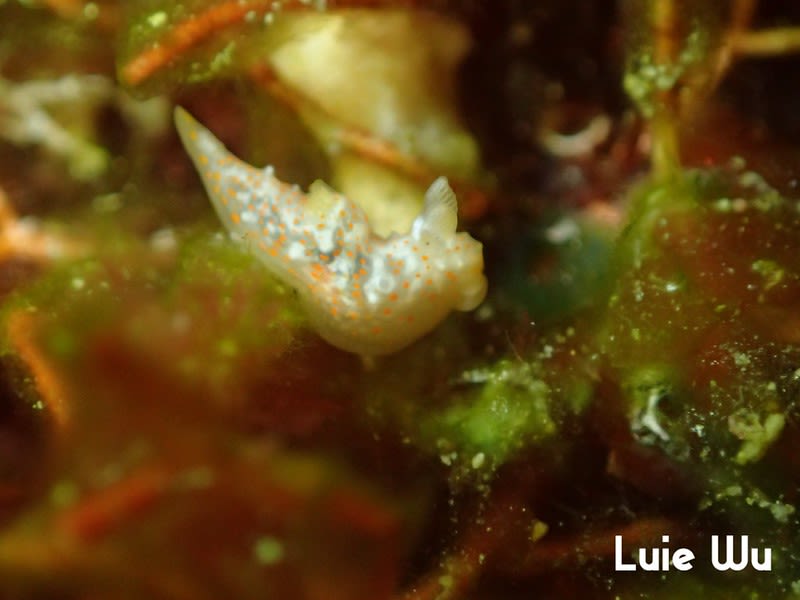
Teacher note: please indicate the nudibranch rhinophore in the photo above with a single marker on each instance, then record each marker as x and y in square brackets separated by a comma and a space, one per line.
[363, 293]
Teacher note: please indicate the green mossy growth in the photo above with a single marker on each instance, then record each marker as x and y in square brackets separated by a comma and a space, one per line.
[476, 420]
[695, 279]
[209, 311]
[700, 331]
[657, 62]
[511, 409]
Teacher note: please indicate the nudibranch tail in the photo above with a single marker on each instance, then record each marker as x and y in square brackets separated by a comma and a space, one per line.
[363, 293]
[233, 186]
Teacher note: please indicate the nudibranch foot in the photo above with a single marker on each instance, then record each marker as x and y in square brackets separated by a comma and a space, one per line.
[362, 292]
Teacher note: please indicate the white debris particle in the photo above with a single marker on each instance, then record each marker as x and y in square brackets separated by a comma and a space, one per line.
[91, 11]
[447, 459]
[562, 231]
[163, 240]
[157, 19]
[478, 460]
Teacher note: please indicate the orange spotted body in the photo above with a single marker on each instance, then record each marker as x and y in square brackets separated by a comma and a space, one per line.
[363, 293]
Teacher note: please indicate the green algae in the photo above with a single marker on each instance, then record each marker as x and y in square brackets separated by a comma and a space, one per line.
[757, 434]
[651, 70]
[645, 78]
[473, 421]
[664, 309]
[699, 334]
[510, 410]
[207, 310]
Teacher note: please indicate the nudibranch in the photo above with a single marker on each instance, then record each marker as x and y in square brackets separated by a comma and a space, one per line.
[363, 293]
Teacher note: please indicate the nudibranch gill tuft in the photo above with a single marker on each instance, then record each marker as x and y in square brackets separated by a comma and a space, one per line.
[363, 293]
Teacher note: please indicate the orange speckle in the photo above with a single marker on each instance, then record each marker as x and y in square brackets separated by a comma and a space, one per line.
[236, 218]
[393, 297]
[425, 257]
[387, 311]
[406, 285]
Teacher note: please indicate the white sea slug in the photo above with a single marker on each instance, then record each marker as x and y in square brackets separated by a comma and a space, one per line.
[363, 293]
